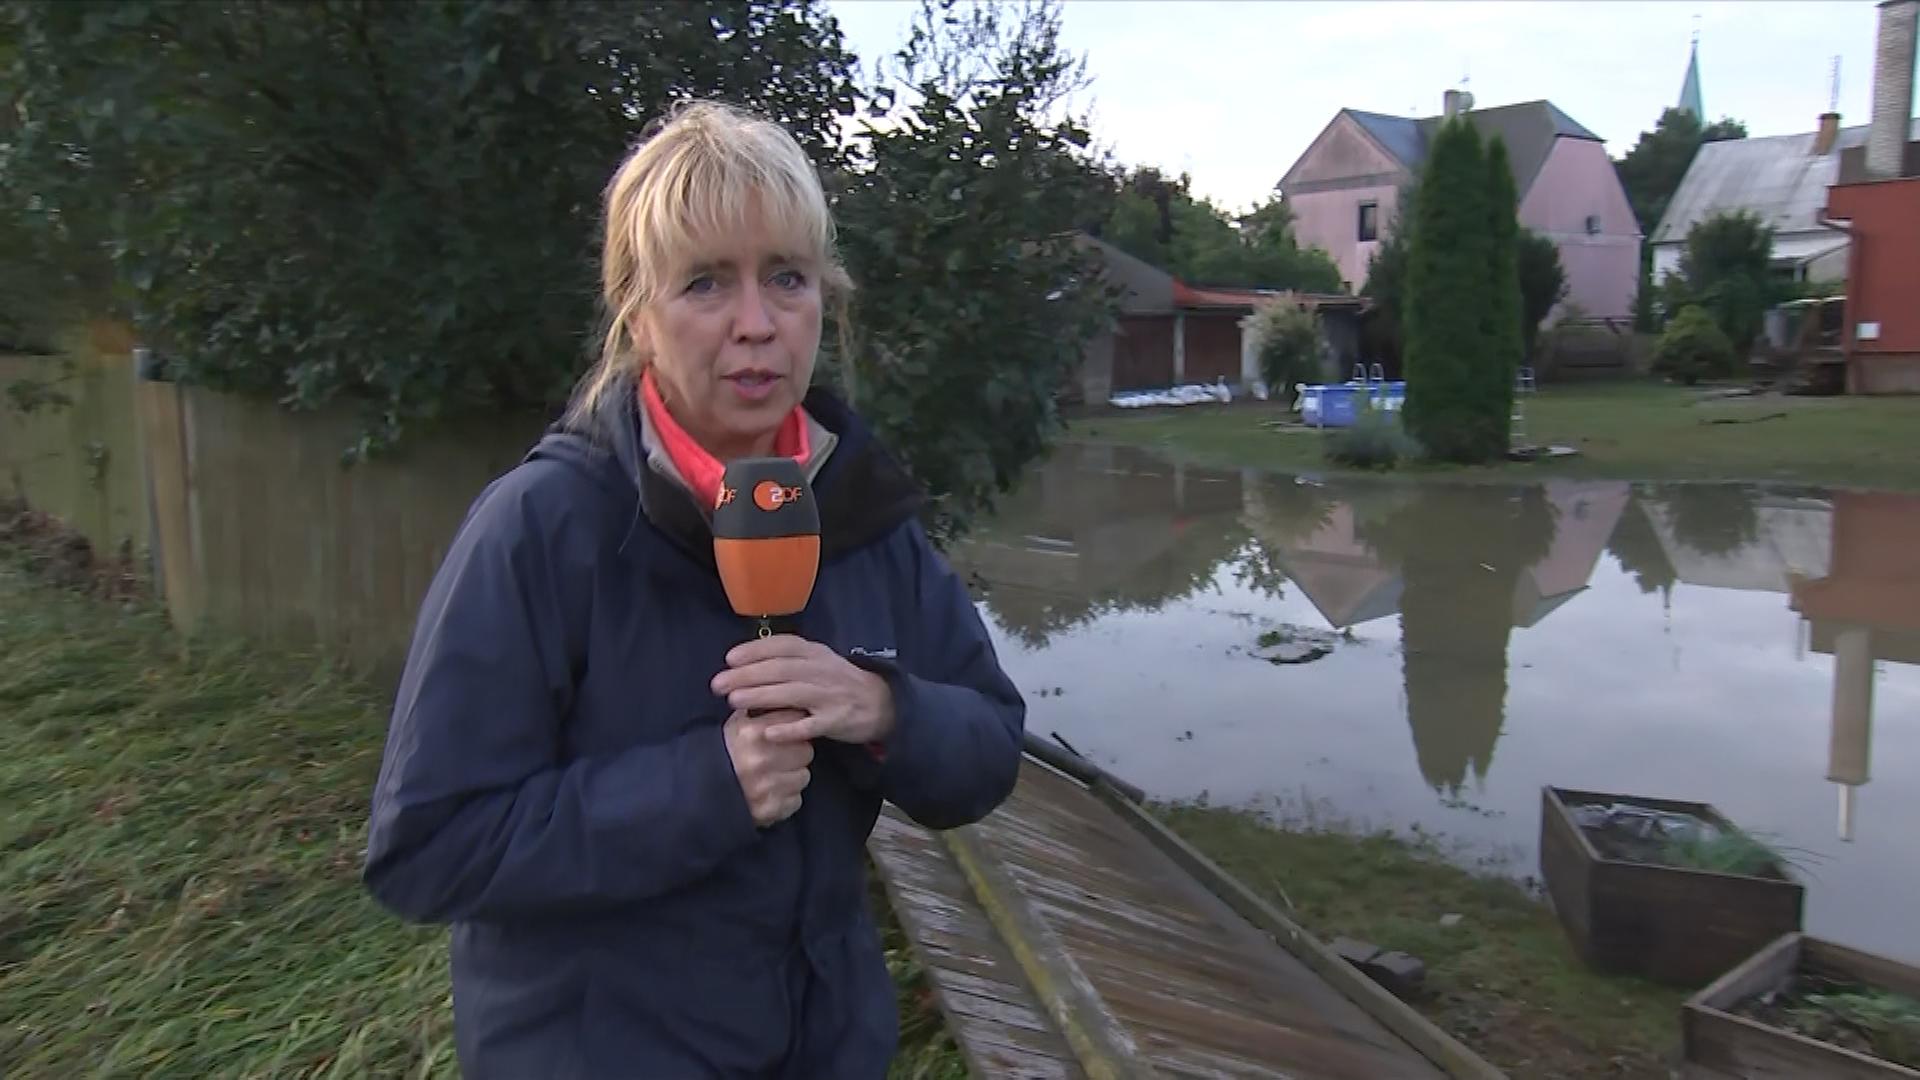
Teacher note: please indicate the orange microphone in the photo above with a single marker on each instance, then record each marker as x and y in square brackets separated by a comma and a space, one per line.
[766, 538]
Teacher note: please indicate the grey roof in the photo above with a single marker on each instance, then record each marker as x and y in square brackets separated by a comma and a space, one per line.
[1777, 177]
[1529, 130]
[1400, 135]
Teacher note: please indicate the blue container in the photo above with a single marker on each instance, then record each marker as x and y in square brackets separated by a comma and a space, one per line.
[1339, 404]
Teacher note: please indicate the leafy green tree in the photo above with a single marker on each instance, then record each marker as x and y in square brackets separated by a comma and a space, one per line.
[1161, 222]
[1275, 258]
[1651, 172]
[1543, 284]
[1462, 290]
[391, 204]
[1725, 270]
[1387, 283]
[1138, 228]
[394, 205]
[957, 222]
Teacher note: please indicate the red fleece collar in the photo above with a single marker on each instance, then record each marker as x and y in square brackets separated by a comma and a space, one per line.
[700, 469]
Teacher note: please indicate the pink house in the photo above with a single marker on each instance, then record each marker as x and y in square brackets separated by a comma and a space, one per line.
[1345, 192]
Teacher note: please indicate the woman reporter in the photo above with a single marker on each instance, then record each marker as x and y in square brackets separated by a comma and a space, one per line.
[646, 825]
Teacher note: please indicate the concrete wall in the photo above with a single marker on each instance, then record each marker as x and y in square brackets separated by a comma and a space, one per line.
[1575, 182]
[1330, 220]
[1095, 383]
[1829, 267]
[1340, 170]
[1666, 260]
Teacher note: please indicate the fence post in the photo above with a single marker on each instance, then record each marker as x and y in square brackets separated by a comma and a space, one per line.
[160, 409]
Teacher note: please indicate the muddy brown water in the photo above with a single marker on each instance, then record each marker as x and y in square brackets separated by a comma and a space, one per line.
[1755, 648]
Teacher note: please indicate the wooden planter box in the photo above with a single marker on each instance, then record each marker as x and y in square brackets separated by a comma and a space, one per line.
[1674, 924]
[1720, 1044]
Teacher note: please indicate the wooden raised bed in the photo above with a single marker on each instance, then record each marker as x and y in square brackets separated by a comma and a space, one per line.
[1678, 925]
[1721, 1044]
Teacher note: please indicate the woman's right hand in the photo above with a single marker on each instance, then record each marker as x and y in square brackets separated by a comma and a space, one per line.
[772, 775]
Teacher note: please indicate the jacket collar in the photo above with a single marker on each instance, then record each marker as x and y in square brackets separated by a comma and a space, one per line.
[863, 492]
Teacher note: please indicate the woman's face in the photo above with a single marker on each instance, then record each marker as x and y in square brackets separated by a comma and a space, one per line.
[733, 335]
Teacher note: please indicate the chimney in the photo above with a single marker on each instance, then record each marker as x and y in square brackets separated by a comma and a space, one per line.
[1892, 88]
[1828, 134]
[1456, 102]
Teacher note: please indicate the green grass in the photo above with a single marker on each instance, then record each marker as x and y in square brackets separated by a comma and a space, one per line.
[1637, 430]
[1504, 980]
[1723, 853]
[182, 837]
[1889, 1022]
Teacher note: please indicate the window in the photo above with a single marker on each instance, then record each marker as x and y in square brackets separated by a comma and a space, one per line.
[1593, 224]
[1369, 221]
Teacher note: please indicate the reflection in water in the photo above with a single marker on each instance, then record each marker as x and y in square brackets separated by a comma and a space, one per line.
[1678, 667]
[1865, 607]
[1112, 531]
[1463, 556]
[1637, 548]
[1713, 519]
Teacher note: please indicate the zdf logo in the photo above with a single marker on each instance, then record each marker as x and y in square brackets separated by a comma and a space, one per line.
[770, 495]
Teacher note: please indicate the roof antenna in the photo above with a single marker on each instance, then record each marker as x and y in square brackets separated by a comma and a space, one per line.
[1833, 96]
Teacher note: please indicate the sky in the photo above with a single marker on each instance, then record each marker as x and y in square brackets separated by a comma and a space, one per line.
[1232, 92]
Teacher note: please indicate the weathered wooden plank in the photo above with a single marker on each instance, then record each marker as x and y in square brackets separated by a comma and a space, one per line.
[1761, 971]
[1415, 1030]
[949, 932]
[998, 1010]
[1833, 959]
[1061, 920]
[1104, 1049]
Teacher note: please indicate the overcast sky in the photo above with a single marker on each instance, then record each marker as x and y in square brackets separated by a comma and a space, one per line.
[1232, 92]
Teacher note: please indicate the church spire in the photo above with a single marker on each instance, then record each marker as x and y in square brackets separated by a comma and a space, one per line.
[1690, 87]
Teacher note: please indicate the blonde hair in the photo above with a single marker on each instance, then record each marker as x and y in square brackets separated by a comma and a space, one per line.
[701, 170]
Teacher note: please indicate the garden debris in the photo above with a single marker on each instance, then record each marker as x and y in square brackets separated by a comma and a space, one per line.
[1531, 452]
[57, 554]
[1290, 644]
[1746, 419]
[1865, 1020]
[1401, 974]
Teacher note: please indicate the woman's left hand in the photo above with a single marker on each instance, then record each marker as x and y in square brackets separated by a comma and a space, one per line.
[842, 701]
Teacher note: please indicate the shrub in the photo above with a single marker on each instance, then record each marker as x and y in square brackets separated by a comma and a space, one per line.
[1725, 270]
[1289, 337]
[1374, 441]
[1692, 347]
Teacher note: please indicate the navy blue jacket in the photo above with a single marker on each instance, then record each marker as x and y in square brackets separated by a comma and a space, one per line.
[556, 785]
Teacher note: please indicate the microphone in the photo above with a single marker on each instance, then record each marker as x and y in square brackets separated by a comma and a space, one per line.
[766, 538]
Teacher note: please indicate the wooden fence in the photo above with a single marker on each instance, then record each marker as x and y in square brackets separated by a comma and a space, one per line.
[248, 518]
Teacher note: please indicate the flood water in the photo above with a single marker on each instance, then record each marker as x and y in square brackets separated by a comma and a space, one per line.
[1754, 648]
